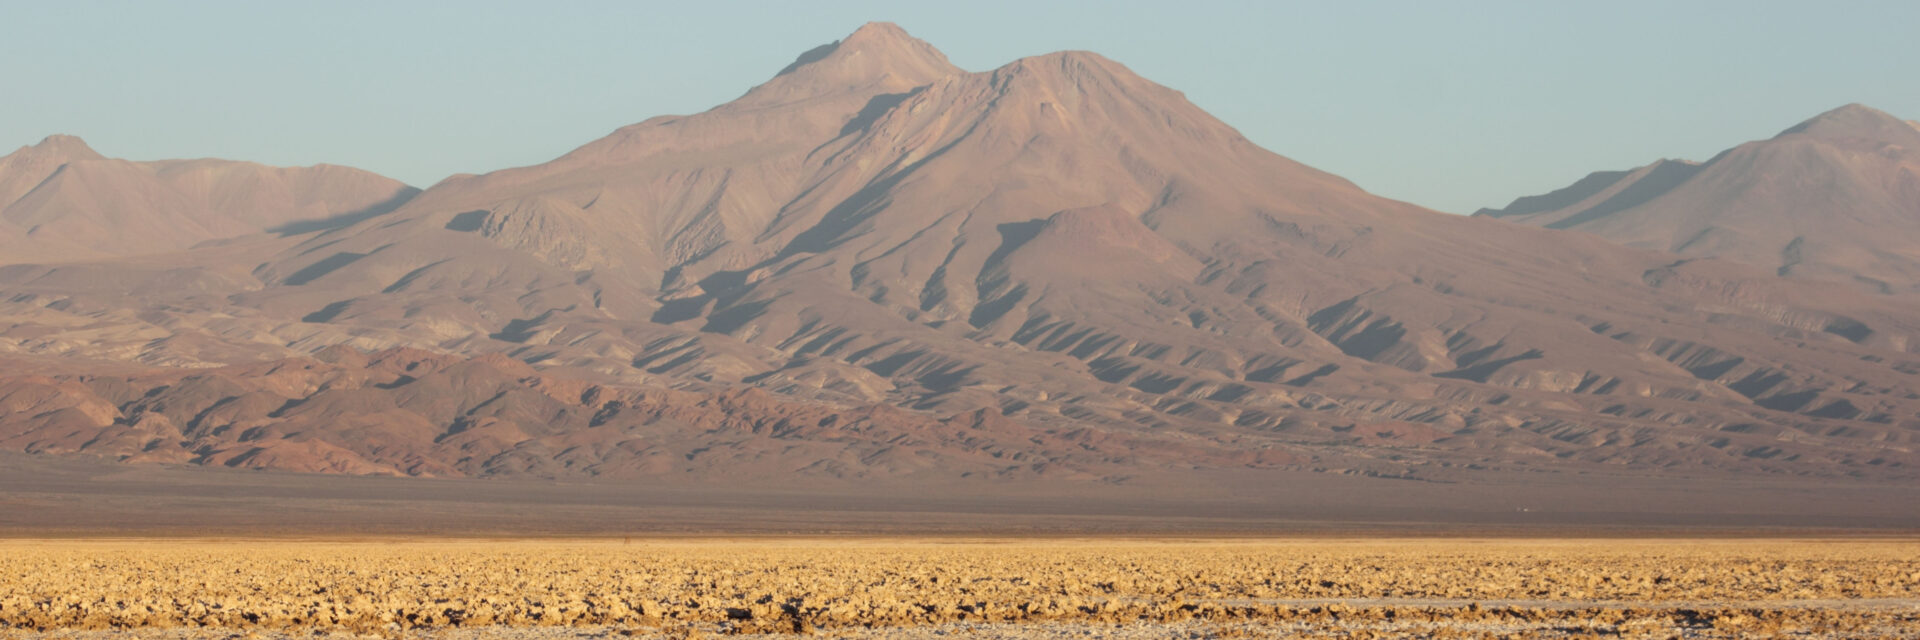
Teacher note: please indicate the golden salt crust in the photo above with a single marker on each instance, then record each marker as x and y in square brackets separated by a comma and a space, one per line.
[1218, 588]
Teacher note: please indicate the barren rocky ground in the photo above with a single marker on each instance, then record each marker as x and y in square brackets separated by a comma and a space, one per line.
[965, 588]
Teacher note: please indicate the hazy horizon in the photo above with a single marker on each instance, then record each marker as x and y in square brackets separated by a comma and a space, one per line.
[1447, 107]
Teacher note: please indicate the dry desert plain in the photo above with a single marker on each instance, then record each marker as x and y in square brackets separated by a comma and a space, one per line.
[954, 587]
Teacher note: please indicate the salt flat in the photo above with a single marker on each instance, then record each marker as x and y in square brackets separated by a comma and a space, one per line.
[979, 587]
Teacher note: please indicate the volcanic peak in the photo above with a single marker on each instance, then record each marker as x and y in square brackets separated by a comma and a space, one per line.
[60, 147]
[1081, 70]
[883, 37]
[1852, 121]
[878, 57]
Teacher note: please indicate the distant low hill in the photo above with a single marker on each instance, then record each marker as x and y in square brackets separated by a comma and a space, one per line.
[62, 201]
[1834, 198]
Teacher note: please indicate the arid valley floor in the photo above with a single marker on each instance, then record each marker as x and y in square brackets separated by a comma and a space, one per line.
[932, 587]
[94, 551]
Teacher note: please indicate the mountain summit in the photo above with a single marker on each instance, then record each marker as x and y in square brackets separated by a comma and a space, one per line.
[60, 147]
[879, 56]
[1855, 122]
[28, 166]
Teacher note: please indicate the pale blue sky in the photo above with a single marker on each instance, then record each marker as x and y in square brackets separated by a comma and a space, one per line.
[1451, 105]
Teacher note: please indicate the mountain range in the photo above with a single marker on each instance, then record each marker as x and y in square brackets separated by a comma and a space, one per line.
[876, 264]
